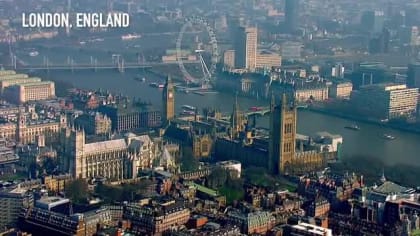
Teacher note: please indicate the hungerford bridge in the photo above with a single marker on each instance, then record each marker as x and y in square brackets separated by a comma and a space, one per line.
[117, 63]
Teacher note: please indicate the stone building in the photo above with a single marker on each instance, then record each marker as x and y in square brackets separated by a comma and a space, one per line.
[157, 216]
[116, 159]
[252, 222]
[94, 123]
[283, 156]
[25, 131]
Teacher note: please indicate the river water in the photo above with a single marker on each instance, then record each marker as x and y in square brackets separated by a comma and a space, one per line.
[368, 142]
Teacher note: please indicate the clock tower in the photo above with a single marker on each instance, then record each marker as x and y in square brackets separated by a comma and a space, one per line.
[168, 101]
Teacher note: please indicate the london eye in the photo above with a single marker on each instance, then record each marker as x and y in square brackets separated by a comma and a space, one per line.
[208, 69]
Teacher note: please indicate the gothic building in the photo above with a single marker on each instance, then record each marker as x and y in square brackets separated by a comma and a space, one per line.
[115, 159]
[25, 132]
[284, 158]
[282, 145]
[168, 101]
[237, 121]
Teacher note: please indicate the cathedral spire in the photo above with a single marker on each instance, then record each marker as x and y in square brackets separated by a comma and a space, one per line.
[383, 178]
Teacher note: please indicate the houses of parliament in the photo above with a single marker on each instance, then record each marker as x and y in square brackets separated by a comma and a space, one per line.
[236, 139]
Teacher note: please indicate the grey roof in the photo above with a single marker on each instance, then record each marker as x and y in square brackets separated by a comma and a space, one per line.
[389, 187]
[104, 146]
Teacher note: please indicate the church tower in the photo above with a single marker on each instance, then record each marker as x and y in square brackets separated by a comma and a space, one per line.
[168, 101]
[21, 127]
[237, 120]
[282, 147]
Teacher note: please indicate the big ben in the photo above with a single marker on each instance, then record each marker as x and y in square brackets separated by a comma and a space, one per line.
[168, 101]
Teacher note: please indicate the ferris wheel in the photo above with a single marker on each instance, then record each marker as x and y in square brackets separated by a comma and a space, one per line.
[207, 70]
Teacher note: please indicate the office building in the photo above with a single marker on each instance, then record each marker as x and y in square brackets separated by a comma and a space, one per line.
[340, 89]
[168, 101]
[337, 71]
[13, 76]
[385, 101]
[41, 221]
[128, 116]
[10, 82]
[292, 15]
[115, 159]
[94, 123]
[251, 48]
[26, 92]
[246, 41]
[11, 203]
[229, 59]
[413, 75]
[157, 216]
[373, 21]
[268, 60]
[7, 72]
[251, 222]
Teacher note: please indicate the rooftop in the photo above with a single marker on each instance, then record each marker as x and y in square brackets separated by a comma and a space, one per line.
[389, 187]
[104, 146]
[37, 83]
[49, 200]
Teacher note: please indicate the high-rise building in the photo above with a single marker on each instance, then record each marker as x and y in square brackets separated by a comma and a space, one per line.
[292, 15]
[385, 101]
[413, 75]
[282, 146]
[240, 47]
[168, 100]
[373, 21]
[246, 41]
[251, 48]
[12, 201]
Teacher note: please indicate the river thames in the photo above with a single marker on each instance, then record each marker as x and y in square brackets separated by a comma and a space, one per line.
[368, 142]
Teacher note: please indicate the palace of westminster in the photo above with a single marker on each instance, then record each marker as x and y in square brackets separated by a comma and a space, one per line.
[207, 136]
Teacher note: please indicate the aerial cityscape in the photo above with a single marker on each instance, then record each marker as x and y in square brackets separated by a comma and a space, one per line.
[210, 117]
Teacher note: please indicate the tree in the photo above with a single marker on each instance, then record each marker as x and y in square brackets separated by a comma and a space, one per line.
[49, 165]
[217, 178]
[188, 161]
[77, 191]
